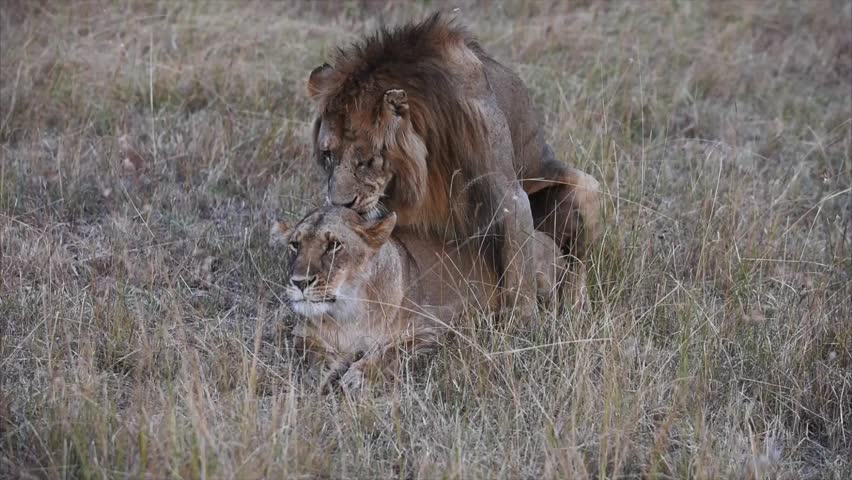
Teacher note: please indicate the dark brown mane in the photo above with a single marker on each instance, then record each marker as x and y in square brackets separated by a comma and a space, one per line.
[434, 61]
[413, 53]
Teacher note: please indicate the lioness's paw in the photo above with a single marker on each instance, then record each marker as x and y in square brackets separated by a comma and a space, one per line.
[330, 376]
[326, 384]
[353, 381]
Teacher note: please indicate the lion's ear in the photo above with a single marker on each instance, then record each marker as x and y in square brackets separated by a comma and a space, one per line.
[278, 233]
[396, 102]
[318, 79]
[377, 232]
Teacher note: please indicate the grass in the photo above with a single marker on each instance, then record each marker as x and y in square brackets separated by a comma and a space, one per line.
[145, 147]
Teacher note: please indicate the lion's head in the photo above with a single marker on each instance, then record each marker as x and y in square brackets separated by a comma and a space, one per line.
[327, 252]
[384, 107]
[364, 151]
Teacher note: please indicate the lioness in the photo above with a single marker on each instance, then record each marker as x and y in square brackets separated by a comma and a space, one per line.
[366, 294]
[420, 121]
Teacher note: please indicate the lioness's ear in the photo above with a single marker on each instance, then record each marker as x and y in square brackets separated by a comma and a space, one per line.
[278, 233]
[318, 79]
[396, 102]
[377, 232]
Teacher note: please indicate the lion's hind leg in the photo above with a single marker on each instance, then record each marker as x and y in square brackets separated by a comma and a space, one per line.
[566, 206]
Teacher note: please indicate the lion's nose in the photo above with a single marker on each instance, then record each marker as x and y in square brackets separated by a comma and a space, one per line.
[303, 282]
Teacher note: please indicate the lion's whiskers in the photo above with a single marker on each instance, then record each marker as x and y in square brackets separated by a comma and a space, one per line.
[377, 212]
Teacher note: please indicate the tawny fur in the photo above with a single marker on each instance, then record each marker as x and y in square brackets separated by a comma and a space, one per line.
[394, 296]
[422, 121]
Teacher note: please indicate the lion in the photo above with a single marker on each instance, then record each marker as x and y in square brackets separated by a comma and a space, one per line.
[368, 294]
[420, 121]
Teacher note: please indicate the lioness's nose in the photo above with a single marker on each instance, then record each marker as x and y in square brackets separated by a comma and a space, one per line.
[303, 282]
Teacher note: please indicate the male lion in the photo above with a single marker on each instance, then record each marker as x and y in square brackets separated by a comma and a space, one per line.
[420, 121]
[366, 295]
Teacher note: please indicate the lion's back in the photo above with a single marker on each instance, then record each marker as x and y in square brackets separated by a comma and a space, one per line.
[513, 99]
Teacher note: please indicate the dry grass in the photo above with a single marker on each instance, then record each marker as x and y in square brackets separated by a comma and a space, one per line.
[145, 146]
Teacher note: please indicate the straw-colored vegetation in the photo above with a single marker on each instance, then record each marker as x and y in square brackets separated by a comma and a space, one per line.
[145, 146]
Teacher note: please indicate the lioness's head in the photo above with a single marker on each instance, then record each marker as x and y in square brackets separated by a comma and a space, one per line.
[367, 144]
[328, 250]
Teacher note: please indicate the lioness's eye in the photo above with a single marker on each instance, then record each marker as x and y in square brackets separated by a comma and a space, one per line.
[294, 246]
[326, 157]
[334, 246]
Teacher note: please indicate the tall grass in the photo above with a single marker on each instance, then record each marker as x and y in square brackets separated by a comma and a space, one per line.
[146, 145]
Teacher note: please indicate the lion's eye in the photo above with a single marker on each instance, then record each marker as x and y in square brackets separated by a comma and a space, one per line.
[371, 162]
[294, 246]
[334, 246]
[326, 157]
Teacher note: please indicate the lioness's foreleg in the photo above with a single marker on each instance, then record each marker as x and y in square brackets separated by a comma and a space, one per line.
[327, 365]
[385, 361]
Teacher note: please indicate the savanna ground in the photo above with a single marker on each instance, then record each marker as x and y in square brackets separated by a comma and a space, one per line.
[146, 146]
